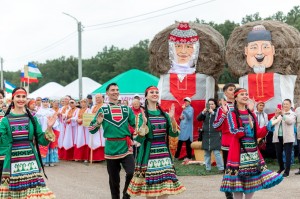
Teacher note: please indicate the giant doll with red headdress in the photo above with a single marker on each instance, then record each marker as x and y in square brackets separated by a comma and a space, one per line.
[188, 57]
[265, 55]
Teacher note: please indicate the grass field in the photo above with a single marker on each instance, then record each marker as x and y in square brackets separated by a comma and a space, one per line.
[199, 170]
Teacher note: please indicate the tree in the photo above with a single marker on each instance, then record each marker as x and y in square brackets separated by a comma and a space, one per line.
[293, 17]
[226, 28]
[251, 18]
[279, 16]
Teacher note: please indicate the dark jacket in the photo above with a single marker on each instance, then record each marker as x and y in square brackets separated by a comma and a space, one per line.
[211, 139]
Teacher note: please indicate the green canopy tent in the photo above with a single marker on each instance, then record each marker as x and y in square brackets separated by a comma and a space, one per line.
[130, 83]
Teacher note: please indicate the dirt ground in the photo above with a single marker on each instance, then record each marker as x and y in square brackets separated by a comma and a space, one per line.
[75, 180]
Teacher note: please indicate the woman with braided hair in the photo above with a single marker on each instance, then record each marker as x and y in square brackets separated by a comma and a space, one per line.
[246, 171]
[22, 177]
[154, 175]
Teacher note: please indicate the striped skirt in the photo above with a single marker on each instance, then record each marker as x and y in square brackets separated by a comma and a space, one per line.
[157, 177]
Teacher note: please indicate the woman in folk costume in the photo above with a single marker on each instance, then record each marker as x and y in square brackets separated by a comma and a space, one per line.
[3, 147]
[246, 170]
[81, 150]
[22, 177]
[188, 57]
[97, 141]
[137, 109]
[154, 175]
[53, 146]
[31, 106]
[62, 123]
[49, 153]
[70, 135]
[265, 57]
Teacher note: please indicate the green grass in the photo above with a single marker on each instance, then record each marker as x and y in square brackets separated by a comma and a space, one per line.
[199, 170]
[193, 169]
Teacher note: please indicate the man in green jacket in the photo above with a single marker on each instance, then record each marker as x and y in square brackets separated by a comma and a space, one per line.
[115, 119]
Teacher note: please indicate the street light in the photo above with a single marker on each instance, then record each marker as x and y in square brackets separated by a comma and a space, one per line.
[79, 28]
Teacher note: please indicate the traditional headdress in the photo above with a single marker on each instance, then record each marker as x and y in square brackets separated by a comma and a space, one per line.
[19, 92]
[183, 34]
[240, 91]
[45, 99]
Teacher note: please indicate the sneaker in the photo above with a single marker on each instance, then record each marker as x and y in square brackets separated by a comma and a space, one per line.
[285, 175]
[229, 195]
[46, 165]
[85, 161]
[51, 165]
[298, 172]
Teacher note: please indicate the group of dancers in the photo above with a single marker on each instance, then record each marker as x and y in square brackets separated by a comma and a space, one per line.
[73, 140]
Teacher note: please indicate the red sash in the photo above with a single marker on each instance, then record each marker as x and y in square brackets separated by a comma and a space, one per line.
[261, 86]
[127, 139]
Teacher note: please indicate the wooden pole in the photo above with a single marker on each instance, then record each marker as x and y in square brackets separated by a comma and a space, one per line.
[91, 144]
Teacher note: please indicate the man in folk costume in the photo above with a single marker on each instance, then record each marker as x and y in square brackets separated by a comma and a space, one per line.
[96, 141]
[70, 135]
[62, 122]
[81, 151]
[181, 80]
[264, 85]
[115, 119]
[221, 124]
[49, 153]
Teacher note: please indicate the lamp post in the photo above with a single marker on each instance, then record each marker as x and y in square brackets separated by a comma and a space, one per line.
[79, 28]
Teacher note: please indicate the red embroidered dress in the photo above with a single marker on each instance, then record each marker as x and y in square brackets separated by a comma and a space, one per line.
[246, 170]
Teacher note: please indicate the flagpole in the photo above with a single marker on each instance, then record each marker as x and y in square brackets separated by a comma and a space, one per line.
[28, 84]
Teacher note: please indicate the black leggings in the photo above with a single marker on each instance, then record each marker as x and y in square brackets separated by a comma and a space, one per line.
[1, 168]
[114, 168]
[188, 148]
[225, 155]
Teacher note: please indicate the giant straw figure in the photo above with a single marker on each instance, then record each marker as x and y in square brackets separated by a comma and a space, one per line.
[266, 57]
[188, 57]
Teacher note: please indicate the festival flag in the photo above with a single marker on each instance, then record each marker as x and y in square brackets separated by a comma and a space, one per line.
[33, 70]
[25, 78]
[9, 87]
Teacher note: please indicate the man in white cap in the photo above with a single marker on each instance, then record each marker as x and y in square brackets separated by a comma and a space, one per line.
[186, 128]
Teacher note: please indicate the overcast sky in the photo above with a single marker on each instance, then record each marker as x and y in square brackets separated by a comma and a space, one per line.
[36, 30]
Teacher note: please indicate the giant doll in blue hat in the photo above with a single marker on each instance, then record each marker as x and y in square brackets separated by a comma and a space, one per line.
[265, 55]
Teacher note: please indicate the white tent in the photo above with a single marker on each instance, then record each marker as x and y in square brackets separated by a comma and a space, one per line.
[72, 89]
[46, 91]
